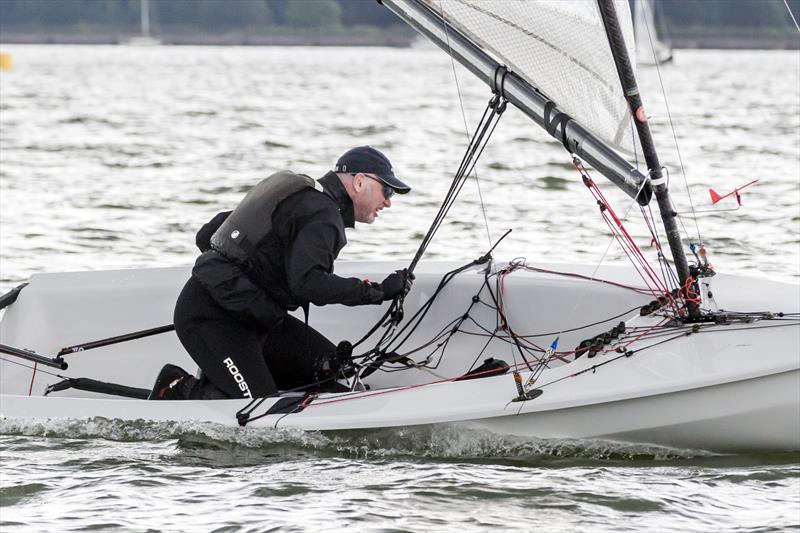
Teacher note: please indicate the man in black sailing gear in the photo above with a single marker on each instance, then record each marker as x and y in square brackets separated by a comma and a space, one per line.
[273, 254]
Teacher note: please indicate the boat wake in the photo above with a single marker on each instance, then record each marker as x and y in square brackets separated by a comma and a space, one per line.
[456, 443]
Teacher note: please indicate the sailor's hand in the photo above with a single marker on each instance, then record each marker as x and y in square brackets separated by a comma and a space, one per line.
[396, 283]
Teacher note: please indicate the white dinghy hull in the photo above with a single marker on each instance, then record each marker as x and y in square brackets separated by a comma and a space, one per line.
[723, 387]
[708, 418]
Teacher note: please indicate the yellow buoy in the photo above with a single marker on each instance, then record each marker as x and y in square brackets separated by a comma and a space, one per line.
[5, 61]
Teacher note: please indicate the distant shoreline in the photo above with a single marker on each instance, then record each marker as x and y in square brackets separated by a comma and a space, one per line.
[401, 39]
[398, 39]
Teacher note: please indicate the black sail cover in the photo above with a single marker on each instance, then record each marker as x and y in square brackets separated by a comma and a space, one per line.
[251, 221]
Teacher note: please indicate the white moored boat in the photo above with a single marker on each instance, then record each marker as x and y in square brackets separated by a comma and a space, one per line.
[673, 355]
[650, 49]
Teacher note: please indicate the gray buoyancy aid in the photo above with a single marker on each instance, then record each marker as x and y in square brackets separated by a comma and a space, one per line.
[251, 221]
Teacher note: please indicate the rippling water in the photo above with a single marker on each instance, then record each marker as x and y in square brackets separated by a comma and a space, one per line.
[111, 157]
[194, 477]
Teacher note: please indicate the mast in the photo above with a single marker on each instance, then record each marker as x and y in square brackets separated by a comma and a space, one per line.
[562, 127]
[631, 90]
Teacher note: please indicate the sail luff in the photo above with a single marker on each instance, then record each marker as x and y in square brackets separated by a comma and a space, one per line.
[544, 112]
[630, 88]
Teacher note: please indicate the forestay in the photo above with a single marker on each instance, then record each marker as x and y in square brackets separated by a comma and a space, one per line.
[560, 47]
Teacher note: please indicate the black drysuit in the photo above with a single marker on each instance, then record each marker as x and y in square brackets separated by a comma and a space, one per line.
[233, 320]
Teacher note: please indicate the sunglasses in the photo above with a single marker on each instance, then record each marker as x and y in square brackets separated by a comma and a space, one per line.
[388, 192]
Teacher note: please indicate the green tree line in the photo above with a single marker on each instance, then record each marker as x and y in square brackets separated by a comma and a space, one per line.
[225, 15]
[206, 15]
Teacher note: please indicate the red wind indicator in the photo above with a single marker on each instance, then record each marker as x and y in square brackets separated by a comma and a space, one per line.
[716, 197]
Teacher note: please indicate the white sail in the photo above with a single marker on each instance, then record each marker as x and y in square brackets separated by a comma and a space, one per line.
[561, 48]
[145, 39]
[650, 50]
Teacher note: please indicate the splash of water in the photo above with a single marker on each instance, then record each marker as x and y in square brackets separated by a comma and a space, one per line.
[451, 442]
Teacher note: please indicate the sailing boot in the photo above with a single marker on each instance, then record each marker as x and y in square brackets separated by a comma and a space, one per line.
[203, 389]
[173, 383]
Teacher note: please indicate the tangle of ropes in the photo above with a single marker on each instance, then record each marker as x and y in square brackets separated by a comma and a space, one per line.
[395, 313]
[627, 343]
[662, 287]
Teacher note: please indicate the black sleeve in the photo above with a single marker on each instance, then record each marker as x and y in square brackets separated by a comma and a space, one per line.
[309, 265]
[203, 238]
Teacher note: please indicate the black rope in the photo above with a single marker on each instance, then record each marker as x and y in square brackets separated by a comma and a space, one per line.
[420, 314]
[370, 357]
[504, 325]
[394, 314]
[386, 348]
[483, 132]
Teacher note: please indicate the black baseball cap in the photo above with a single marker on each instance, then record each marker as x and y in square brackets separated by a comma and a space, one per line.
[368, 160]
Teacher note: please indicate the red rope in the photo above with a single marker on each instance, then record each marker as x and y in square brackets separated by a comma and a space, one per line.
[581, 276]
[33, 377]
[626, 246]
[626, 239]
[656, 284]
[688, 291]
[645, 332]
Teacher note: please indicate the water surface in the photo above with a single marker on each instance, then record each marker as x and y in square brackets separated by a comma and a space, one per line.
[112, 157]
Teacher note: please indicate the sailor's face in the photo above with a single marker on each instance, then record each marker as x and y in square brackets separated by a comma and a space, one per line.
[369, 198]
